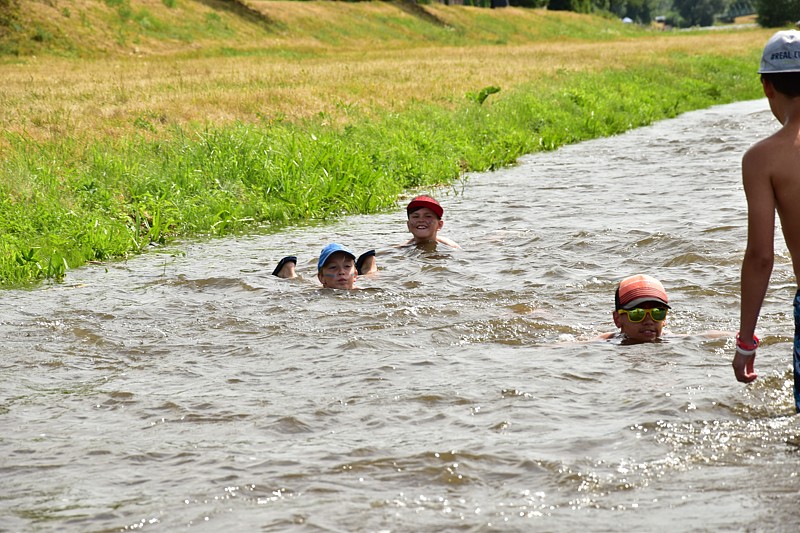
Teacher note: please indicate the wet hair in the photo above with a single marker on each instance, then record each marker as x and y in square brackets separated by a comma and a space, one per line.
[787, 83]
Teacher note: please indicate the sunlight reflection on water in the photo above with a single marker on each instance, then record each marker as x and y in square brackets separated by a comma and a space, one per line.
[457, 392]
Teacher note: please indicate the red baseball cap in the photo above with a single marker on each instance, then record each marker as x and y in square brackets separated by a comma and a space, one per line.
[636, 290]
[425, 201]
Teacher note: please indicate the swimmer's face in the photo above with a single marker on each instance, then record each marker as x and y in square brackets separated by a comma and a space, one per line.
[648, 330]
[424, 224]
[339, 272]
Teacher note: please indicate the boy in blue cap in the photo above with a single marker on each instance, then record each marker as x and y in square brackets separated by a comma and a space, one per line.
[337, 267]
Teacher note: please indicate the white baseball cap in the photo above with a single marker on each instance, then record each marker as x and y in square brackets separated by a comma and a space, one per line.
[781, 53]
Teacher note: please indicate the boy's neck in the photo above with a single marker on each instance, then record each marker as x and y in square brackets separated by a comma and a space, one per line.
[788, 110]
[428, 245]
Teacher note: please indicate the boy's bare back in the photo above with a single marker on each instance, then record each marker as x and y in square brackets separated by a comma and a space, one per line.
[771, 179]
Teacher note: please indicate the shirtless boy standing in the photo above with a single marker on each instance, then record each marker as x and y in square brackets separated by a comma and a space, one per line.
[771, 177]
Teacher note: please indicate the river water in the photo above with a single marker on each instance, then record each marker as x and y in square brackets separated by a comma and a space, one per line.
[459, 391]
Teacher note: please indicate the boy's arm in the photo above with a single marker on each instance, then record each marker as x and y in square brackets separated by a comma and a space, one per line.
[759, 255]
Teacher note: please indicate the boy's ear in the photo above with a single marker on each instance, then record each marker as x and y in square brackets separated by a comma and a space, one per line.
[441, 223]
[617, 321]
[769, 89]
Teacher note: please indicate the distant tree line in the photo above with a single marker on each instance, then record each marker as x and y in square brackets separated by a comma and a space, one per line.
[678, 13]
[686, 13]
[681, 13]
[776, 13]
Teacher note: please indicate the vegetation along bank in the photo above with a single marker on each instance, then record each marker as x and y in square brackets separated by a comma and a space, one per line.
[129, 123]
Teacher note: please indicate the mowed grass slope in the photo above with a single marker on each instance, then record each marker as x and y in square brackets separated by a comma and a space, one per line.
[129, 122]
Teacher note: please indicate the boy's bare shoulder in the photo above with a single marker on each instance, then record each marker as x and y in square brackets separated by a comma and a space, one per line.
[766, 146]
[448, 242]
[762, 157]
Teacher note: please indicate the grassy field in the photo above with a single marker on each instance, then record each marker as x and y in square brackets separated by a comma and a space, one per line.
[130, 122]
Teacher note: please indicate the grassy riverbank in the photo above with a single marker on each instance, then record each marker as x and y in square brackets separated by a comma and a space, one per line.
[147, 136]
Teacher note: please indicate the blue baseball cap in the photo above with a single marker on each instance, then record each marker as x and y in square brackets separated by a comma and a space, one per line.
[329, 250]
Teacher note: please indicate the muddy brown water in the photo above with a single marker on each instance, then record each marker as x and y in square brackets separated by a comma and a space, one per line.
[188, 389]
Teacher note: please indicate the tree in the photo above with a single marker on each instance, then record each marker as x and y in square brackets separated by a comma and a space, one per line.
[776, 13]
[638, 10]
[528, 3]
[579, 6]
[699, 12]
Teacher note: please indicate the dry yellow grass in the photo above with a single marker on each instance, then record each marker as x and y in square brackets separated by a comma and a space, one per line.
[47, 98]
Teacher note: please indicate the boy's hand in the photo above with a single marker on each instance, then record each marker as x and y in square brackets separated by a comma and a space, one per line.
[743, 367]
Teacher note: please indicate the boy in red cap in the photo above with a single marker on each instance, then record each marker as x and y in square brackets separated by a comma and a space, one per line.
[771, 179]
[640, 309]
[425, 221]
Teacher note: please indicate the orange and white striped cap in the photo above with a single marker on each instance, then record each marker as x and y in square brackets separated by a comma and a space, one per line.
[638, 289]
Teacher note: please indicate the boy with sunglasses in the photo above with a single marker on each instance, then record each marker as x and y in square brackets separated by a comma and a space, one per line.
[640, 309]
[771, 179]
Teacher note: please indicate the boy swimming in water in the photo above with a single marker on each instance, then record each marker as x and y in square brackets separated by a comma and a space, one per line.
[640, 309]
[337, 267]
[425, 221]
[771, 179]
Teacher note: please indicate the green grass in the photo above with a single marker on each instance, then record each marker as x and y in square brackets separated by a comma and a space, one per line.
[63, 204]
[71, 28]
